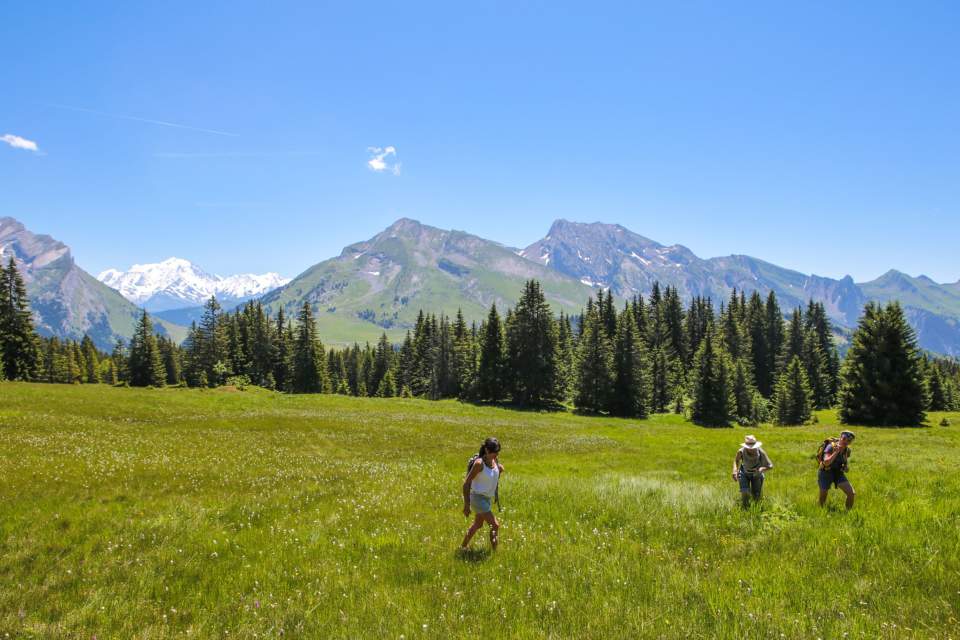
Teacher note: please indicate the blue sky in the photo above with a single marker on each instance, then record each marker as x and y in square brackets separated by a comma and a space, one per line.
[822, 136]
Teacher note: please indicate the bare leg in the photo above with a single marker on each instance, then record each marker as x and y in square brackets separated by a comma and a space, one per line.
[847, 488]
[823, 496]
[494, 527]
[477, 524]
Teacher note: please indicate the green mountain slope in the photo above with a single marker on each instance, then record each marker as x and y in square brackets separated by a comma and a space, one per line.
[381, 284]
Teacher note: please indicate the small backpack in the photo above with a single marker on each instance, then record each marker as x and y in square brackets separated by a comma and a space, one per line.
[496, 492]
[821, 454]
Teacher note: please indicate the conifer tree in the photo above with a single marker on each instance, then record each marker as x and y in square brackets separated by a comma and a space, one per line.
[774, 328]
[283, 354]
[146, 366]
[818, 328]
[91, 359]
[795, 342]
[630, 393]
[757, 336]
[74, 368]
[881, 378]
[309, 372]
[387, 387]
[595, 364]
[210, 343]
[744, 393]
[492, 369]
[170, 354]
[382, 363]
[532, 349]
[673, 321]
[566, 358]
[712, 400]
[17, 336]
[793, 400]
[120, 361]
[937, 388]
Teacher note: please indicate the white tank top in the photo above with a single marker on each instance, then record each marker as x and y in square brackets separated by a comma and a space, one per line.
[485, 482]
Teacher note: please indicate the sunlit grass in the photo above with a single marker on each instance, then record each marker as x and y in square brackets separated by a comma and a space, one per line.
[161, 513]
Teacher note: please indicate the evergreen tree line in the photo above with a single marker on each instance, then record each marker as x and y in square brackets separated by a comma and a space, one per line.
[745, 363]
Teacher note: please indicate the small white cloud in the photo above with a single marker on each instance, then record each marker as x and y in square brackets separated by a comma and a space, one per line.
[380, 160]
[20, 143]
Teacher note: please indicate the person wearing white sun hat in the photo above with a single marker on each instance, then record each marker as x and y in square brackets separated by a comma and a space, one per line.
[749, 465]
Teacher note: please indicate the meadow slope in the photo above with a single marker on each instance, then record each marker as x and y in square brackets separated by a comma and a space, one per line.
[140, 513]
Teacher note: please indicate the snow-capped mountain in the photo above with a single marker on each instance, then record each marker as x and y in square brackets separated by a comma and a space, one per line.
[176, 283]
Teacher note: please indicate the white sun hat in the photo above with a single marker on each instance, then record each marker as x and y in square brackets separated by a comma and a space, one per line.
[750, 442]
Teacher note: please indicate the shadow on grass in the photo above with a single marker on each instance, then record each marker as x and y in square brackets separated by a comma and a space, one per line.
[528, 408]
[474, 555]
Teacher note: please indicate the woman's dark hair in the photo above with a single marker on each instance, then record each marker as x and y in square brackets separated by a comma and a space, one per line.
[490, 445]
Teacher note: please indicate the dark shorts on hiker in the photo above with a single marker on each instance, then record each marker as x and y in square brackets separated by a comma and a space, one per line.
[827, 477]
[480, 503]
[750, 482]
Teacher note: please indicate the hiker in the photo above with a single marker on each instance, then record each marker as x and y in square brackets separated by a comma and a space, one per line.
[834, 456]
[480, 489]
[748, 467]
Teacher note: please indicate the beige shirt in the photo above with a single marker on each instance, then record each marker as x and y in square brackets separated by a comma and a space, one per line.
[751, 463]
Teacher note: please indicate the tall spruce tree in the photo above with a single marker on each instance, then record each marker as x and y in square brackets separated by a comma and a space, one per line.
[146, 365]
[210, 344]
[309, 372]
[774, 328]
[532, 349]
[882, 383]
[566, 358]
[492, 369]
[712, 400]
[595, 373]
[744, 392]
[793, 400]
[20, 346]
[91, 359]
[630, 394]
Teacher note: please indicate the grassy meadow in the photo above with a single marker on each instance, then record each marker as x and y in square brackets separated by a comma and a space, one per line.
[141, 513]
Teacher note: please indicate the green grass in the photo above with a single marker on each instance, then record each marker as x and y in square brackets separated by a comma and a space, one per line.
[181, 513]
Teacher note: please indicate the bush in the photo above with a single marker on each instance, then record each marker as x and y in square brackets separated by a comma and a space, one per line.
[945, 422]
[240, 382]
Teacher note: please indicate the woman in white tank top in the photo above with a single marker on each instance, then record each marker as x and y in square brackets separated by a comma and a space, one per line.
[479, 490]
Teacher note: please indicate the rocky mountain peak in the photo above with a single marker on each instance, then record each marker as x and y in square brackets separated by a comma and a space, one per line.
[31, 251]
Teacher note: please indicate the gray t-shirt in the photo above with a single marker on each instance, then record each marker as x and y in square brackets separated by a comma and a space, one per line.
[751, 463]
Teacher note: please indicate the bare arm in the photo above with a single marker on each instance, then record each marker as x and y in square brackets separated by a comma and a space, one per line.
[828, 459]
[736, 463]
[477, 465]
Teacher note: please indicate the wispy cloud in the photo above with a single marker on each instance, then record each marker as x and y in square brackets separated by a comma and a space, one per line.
[380, 160]
[162, 123]
[19, 143]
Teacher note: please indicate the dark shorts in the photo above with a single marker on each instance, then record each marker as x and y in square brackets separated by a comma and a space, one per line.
[750, 482]
[827, 477]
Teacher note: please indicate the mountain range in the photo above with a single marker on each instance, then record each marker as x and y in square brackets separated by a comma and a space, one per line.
[178, 284]
[381, 284]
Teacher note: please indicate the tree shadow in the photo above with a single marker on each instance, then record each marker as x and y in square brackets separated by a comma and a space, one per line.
[528, 408]
[473, 555]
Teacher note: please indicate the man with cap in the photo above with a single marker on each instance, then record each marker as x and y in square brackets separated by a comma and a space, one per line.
[748, 467]
[833, 464]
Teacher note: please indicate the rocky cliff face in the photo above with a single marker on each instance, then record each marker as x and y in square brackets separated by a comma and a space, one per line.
[67, 301]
